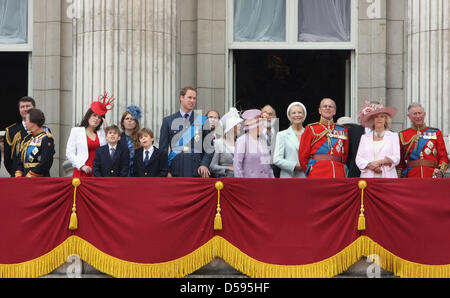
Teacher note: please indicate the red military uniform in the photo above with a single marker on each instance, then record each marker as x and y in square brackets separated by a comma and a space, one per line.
[323, 150]
[422, 151]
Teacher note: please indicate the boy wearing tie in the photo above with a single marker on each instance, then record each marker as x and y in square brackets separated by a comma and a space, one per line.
[149, 161]
[111, 160]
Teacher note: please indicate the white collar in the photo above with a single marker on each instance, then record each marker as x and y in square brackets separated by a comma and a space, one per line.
[150, 151]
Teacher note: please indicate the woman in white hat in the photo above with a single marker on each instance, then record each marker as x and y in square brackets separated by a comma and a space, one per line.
[288, 143]
[222, 162]
[379, 150]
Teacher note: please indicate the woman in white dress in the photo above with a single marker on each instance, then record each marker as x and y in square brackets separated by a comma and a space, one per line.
[288, 142]
[379, 150]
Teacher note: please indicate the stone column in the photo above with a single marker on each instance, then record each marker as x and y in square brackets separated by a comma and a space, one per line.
[428, 70]
[127, 48]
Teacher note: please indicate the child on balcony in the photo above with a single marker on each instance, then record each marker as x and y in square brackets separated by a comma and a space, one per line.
[149, 161]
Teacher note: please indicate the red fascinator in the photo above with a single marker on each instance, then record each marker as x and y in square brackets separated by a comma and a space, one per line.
[103, 104]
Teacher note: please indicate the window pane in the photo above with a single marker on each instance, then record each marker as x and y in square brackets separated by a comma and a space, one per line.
[13, 21]
[260, 20]
[324, 20]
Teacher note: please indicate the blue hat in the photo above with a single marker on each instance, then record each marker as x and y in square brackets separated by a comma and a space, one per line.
[135, 112]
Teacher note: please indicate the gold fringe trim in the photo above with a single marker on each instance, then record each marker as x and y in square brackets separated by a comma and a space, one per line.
[219, 247]
[40, 266]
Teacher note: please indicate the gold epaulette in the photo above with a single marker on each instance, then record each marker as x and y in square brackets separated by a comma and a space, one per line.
[7, 135]
[315, 123]
[413, 139]
[49, 135]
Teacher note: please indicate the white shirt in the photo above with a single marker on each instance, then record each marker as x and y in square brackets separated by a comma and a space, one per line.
[111, 147]
[183, 114]
[150, 152]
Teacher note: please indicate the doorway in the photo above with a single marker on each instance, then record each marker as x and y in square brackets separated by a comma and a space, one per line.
[14, 78]
[279, 77]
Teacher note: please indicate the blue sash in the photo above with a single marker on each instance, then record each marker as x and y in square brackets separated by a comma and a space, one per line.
[415, 154]
[187, 137]
[323, 150]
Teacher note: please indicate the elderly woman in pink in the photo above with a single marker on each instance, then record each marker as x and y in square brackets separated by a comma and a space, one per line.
[379, 150]
[251, 154]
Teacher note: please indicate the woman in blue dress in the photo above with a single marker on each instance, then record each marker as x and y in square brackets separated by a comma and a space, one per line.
[130, 127]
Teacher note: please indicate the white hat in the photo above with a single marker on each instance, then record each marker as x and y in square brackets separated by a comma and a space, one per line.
[345, 120]
[230, 120]
[296, 103]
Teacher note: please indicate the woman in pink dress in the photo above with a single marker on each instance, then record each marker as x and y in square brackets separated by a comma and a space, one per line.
[251, 154]
[87, 137]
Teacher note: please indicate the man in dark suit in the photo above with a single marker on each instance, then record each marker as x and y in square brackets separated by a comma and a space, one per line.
[355, 131]
[186, 136]
[149, 161]
[111, 160]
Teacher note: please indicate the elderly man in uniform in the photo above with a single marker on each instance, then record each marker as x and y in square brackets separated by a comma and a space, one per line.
[422, 148]
[324, 145]
[185, 133]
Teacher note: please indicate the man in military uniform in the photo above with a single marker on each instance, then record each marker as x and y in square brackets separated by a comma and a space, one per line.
[37, 148]
[15, 134]
[183, 135]
[423, 152]
[324, 145]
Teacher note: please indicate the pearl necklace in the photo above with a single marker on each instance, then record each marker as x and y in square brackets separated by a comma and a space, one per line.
[379, 135]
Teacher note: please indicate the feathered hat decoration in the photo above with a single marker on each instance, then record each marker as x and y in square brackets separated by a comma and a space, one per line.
[103, 104]
[370, 109]
[135, 112]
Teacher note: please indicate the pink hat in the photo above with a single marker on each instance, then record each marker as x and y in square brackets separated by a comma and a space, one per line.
[368, 110]
[251, 118]
[103, 104]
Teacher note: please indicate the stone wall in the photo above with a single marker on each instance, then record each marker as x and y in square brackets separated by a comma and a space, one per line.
[218, 268]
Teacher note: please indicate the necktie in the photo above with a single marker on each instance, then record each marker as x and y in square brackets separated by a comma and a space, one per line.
[113, 150]
[186, 116]
[146, 159]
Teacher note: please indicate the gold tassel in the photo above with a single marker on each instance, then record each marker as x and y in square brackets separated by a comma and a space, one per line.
[362, 219]
[73, 225]
[218, 218]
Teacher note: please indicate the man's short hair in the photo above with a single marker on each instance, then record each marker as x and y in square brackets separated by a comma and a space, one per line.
[37, 117]
[27, 99]
[186, 89]
[414, 105]
[112, 128]
[145, 131]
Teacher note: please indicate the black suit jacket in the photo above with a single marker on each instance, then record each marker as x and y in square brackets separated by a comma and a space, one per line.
[186, 164]
[156, 167]
[104, 166]
[354, 136]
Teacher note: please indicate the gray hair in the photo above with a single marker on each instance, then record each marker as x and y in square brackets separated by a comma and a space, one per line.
[414, 105]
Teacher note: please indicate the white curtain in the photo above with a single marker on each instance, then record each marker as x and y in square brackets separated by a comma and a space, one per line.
[13, 21]
[260, 20]
[324, 20]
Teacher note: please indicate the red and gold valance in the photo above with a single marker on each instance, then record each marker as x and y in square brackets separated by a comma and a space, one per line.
[161, 227]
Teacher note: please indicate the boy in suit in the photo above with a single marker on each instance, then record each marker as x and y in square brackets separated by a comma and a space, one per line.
[111, 160]
[149, 161]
